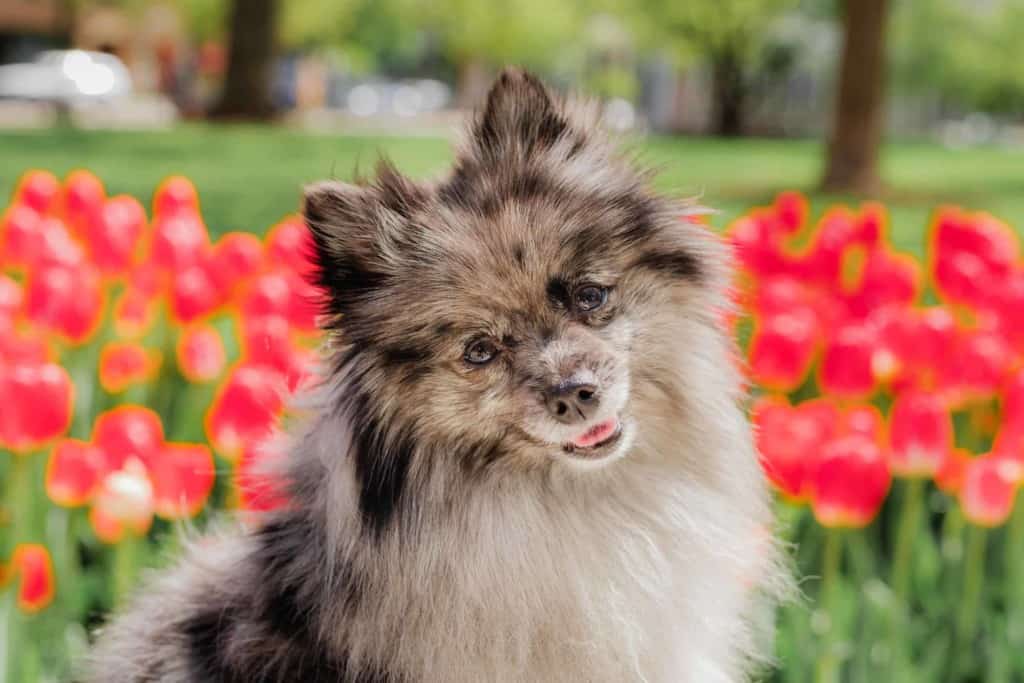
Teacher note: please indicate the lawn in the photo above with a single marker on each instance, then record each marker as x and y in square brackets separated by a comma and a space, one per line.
[249, 176]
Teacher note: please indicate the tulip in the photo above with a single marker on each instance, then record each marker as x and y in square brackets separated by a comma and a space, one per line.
[200, 352]
[23, 346]
[194, 293]
[791, 209]
[789, 440]
[114, 239]
[175, 195]
[920, 433]
[66, 300]
[32, 564]
[73, 472]
[134, 314]
[848, 365]
[36, 400]
[782, 348]
[182, 476]
[128, 432]
[950, 475]
[19, 236]
[290, 244]
[268, 294]
[245, 409]
[850, 482]
[56, 245]
[236, 257]
[179, 240]
[988, 490]
[83, 200]
[124, 364]
[38, 190]
[124, 502]
[258, 478]
[12, 296]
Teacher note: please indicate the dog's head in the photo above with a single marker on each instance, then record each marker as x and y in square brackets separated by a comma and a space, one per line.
[514, 313]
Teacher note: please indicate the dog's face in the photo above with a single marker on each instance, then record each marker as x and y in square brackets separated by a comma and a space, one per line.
[512, 314]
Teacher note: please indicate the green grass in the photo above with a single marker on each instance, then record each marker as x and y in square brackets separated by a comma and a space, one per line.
[249, 176]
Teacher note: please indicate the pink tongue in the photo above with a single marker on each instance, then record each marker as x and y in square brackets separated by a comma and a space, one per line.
[596, 434]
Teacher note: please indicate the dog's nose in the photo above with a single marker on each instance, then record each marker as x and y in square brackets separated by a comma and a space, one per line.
[572, 402]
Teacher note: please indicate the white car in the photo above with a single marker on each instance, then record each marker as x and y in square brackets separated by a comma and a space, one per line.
[67, 77]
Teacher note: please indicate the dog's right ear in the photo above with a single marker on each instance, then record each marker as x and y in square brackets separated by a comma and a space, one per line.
[520, 116]
[355, 231]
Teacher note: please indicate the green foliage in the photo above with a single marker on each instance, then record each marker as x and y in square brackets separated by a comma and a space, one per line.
[969, 53]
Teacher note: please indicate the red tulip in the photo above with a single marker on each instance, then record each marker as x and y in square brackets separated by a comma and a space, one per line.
[789, 440]
[988, 491]
[864, 420]
[850, 482]
[36, 400]
[237, 256]
[978, 365]
[972, 255]
[32, 564]
[19, 236]
[267, 294]
[259, 478]
[128, 432]
[848, 365]
[38, 190]
[182, 477]
[12, 296]
[114, 239]
[66, 300]
[179, 240]
[200, 352]
[755, 241]
[73, 472]
[782, 348]
[245, 409]
[791, 209]
[83, 200]
[23, 346]
[950, 475]
[194, 293]
[134, 314]
[123, 502]
[124, 364]
[290, 244]
[887, 279]
[57, 246]
[175, 195]
[921, 434]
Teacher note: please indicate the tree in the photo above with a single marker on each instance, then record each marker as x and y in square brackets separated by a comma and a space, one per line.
[859, 120]
[733, 39]
[250, 59]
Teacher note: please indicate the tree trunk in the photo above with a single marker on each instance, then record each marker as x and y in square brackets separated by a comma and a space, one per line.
[859, 119]
[729, 90]
[246, 92]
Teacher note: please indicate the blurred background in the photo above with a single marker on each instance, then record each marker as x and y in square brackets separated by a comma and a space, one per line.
[884, 340]
[737, 98]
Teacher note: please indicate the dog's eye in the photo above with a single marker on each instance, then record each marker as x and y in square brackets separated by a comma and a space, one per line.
[480, 352]
[589, 298]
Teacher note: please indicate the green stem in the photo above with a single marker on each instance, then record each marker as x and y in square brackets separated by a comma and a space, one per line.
[827, 670]
[974, 575]
[1015, 561]
[910, 522]
[126, 565]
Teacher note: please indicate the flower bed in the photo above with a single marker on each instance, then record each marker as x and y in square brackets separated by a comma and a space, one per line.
[143, 365]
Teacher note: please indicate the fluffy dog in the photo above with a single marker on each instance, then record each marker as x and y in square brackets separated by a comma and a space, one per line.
[527, 459]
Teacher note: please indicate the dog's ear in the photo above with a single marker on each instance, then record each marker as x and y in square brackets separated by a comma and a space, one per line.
[520, 116]
[357, 230]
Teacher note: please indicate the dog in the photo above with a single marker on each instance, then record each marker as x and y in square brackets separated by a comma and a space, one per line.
[527, 457]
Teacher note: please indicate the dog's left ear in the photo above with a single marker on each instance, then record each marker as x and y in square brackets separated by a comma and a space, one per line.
[520, 117]
[357, 231]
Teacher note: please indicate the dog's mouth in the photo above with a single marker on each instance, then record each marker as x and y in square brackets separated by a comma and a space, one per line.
[597, 440]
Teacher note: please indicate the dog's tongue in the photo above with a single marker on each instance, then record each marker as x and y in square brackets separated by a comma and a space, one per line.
[596, 434]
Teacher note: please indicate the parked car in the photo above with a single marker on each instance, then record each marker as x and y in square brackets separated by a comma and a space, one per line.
[66, 77]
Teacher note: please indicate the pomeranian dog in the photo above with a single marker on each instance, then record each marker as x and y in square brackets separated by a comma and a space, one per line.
[527, 459]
